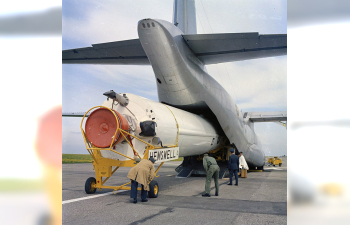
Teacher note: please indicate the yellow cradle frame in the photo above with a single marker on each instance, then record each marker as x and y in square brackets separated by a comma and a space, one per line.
[103, 166]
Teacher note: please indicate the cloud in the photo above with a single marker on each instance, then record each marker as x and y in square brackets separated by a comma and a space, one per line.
[83, 85]
[259, 83]
[273, 138]
[110, 20]
[241, 16]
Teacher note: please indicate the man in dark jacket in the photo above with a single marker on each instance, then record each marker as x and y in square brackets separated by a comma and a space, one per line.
[233, 165]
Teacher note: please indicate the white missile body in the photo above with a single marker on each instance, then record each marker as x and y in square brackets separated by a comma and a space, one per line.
[196, 134]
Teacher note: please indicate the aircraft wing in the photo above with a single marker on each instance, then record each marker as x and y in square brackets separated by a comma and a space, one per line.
[265, 116]
[129, 52]
[75, 114]
[229, 47]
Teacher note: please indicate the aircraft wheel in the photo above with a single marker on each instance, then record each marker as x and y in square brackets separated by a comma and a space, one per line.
[153, 189]
[280, 164]
[88, 185]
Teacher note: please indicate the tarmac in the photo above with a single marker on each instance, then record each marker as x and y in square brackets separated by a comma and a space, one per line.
[261, 198]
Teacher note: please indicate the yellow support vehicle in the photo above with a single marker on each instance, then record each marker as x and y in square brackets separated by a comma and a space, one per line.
[106, 167]
[275, 161]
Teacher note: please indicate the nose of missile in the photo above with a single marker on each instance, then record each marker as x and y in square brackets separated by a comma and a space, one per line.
[101, 127]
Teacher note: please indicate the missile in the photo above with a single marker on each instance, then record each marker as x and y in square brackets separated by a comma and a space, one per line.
[152, 122]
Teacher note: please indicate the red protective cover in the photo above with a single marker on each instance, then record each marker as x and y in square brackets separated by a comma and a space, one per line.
[101, 125]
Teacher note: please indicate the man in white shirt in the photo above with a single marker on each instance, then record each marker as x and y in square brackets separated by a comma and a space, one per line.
[242, 163]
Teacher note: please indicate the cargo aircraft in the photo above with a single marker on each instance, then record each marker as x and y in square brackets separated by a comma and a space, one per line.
[194, 113]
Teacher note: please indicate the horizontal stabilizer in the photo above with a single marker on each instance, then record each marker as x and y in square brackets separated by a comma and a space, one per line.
[129, 52]
[265, 116]
[229, 47]
[209, 48]
[75, 114]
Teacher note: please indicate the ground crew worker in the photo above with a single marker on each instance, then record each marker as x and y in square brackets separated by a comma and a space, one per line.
[142, 173]
[233, 165]
[212, 168]
[242, 163]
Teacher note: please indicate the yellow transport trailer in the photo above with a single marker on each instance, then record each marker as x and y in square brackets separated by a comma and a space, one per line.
[106, 167]
[275, 161]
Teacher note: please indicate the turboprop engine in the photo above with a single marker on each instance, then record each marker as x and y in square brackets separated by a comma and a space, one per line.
[152, 122]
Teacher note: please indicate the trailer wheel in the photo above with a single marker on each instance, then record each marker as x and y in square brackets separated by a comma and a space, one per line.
[153, 189]
[88, 185]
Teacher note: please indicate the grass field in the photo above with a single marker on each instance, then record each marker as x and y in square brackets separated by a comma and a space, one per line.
[179, 159]
[76, 158]
[85, 158]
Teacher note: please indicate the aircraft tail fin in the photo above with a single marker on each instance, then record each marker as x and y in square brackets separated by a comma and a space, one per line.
[184, 16]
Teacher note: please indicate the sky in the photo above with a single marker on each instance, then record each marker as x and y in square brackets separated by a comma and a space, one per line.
[256, 85]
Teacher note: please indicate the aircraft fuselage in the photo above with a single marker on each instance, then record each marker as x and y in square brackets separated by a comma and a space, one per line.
[182, 81]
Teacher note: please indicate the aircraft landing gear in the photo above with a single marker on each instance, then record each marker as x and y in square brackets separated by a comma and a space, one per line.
[260, 168]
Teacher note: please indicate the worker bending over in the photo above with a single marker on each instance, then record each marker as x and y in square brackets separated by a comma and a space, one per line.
[212, 168]
[142, 173]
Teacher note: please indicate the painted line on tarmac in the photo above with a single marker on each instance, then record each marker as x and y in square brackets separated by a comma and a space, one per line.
[273, 168]
[85, 198]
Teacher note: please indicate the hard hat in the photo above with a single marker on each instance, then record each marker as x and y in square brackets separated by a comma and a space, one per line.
[205, 154]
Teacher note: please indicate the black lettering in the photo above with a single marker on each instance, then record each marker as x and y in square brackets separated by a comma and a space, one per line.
[158, 157]
[172, 154]
[168, 152]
